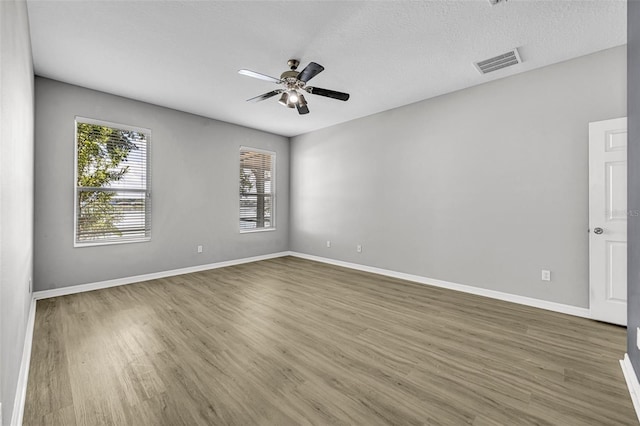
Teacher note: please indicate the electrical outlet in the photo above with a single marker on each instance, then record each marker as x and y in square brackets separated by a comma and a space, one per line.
[546, 275]
[328, 243]
[199, 249]
[359, 248]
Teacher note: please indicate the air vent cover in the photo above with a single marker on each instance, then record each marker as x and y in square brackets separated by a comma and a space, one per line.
[512, 57]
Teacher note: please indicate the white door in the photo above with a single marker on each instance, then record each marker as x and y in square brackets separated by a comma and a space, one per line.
[608, 220]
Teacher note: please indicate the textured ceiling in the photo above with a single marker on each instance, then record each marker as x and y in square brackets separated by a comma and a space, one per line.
[185, 54]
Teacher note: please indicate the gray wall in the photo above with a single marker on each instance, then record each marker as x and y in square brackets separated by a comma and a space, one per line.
[16, 193]
[194, 178]
[484, 187]
[633, 306]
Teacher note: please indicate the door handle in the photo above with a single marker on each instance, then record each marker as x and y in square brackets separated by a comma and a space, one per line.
[598, 231]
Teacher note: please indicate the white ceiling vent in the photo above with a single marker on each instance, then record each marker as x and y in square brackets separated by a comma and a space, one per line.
[504, 60]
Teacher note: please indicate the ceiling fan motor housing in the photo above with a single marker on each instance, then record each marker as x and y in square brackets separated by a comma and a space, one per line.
[289, 75]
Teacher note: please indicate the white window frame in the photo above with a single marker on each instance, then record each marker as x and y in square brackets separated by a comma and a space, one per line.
[147, 132]
[273, 191]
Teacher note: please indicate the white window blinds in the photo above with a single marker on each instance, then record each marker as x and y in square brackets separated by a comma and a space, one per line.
[257, 189]
[113, 199]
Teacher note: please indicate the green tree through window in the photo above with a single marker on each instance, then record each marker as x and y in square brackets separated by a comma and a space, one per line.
[111, 183]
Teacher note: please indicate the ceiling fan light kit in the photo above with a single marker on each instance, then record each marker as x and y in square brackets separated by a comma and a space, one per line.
[292, 82]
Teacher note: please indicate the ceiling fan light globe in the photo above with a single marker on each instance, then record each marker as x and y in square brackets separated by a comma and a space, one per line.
[302, 101]
[293, 97]
[284, 99]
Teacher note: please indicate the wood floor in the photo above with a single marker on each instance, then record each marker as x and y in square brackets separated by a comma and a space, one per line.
[293, 342]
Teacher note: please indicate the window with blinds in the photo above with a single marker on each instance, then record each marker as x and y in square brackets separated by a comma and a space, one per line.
[257, 189]
[112, 195]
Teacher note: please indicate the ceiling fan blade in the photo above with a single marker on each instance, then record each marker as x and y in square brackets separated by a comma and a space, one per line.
[254, 74]
[302, 109]
[310, 71]
[265, 96]
[328, 93]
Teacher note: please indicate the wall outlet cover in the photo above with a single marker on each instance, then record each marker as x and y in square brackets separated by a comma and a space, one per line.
[328, 243]
[546, 275]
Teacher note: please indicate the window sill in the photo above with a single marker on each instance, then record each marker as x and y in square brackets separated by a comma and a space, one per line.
[109, 243]
[253, 231]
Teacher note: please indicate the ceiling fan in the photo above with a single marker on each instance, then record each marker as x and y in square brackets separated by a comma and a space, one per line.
[294, 82]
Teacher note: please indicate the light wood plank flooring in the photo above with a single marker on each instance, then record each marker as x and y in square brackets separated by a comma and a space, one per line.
[293, 342]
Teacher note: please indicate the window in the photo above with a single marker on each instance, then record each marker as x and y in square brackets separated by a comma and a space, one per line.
[112, 198]
[257, 189]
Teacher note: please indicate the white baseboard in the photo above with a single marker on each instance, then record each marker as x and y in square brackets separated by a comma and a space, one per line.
[63, 291]
[508, 297]
[632, 382]
[21, 388]
[18, 411]
[23, 375]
